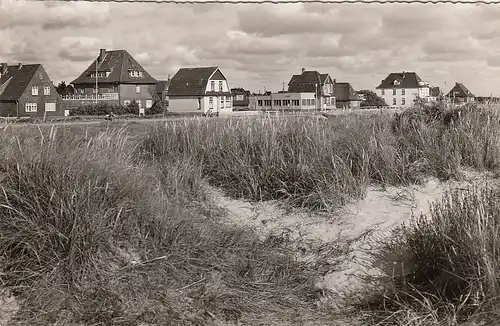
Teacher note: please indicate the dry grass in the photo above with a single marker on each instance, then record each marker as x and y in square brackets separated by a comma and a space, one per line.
[104, 227]
[91, 234]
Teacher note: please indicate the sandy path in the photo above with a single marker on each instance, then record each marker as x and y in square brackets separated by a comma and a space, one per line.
[378, 212]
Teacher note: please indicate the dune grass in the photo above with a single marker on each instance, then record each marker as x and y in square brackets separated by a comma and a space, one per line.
[90, 233]
[100, 228]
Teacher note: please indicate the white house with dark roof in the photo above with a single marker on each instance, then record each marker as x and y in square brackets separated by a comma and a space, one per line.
[313, 82]
[200, 89]
[401, 89]
[120, 80]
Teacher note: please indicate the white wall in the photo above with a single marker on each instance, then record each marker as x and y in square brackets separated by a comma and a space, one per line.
[410, 95]
[216, 106]
[184, 105]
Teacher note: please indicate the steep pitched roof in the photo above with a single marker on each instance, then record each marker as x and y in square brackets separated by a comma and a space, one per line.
[190, 81]
[345, 92]
[117, 62]
[461, 91]
[162, 85]
[406, 79]
[15, 81]
[306, 82]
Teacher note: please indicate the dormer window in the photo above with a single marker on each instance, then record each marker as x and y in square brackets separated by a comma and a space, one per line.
[396, 82]
[135, 73]
[99, 74]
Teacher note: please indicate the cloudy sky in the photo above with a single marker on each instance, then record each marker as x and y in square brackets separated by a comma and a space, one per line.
[260, 46]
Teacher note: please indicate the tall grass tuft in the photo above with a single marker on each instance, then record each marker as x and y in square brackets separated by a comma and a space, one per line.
[445, 266]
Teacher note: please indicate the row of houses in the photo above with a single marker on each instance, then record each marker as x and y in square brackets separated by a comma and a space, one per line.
[115, 77]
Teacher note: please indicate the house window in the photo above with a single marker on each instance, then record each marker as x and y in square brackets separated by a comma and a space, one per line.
[239, 98]
[403, 101]
[46, 90]
[304, 102]
[393, 91]
[286, 102]
[259, 102]
[295, 102]
[222, 101]
[82, 91]
[34, 91]
[212, 86]
[50, 107]
[210, 100]
[383, 92]
[31, 107]
[267, 102]
[403, 91]
[394, 101]
[149, 103]
[126, 102]
[277, 102]
[137, 89]
[228, 102]
[220, 86]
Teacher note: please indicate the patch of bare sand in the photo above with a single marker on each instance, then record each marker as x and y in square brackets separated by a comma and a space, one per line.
[8, 307]
[376, 214]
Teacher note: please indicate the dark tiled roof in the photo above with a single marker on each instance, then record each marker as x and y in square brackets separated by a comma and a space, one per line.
[406, 79]
[345, 92]
[190, 81]
[461, 91]
[306, 82]
[15, 81]
[161, 86]
[118, 63]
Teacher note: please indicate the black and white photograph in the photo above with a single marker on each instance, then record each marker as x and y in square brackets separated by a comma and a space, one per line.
[257, 163]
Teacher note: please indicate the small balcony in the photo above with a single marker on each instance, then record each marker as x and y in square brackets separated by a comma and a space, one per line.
[100, 97]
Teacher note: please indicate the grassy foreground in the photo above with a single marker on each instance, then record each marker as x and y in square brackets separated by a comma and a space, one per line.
[100, 229]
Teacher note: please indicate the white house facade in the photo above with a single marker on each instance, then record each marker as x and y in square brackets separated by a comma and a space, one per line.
[201, 89]
[402, 89]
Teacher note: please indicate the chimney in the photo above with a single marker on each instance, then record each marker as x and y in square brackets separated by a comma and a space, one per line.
[3, 68]
[334, 81]
[19, 65]
[303, 70]
[102, 53]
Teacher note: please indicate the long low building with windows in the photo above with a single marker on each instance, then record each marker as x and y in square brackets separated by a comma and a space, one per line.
[287, 101]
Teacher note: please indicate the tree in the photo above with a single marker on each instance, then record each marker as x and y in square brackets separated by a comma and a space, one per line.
[371, 99]
[64, 90]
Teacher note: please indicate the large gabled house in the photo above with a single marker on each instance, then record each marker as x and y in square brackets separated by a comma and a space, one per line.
[345, 96]
[403, 88]
[200, 89]
[26, 90]
[460, 94]
[120, 80]
[314, 82]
